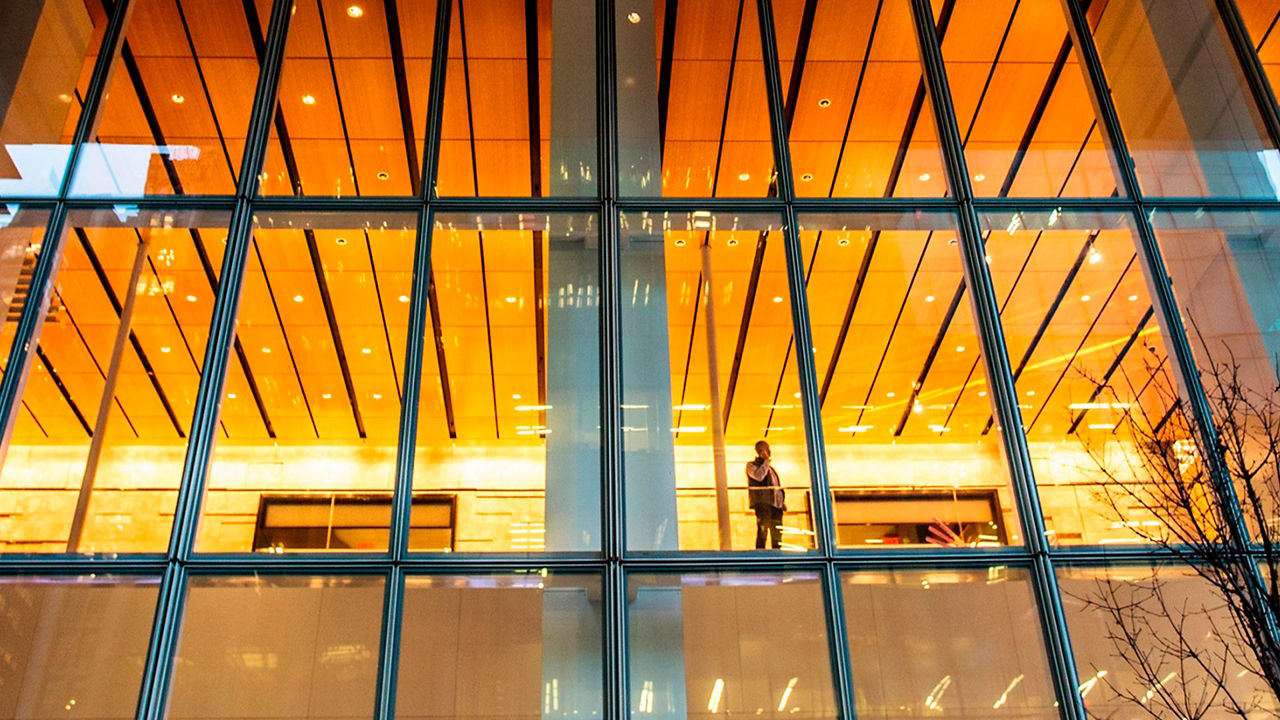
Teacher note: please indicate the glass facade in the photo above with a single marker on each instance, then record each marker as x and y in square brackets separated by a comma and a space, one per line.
[617, 358]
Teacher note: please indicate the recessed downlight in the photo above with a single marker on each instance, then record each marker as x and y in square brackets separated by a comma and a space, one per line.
[824, 102]
[308, 99]
[340, 241]
[633, 18]
[355, 11]
[384, 175]
[178, 99]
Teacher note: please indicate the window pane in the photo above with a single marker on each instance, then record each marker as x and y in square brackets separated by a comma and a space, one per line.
[1157, 642]
[709, 372]
[311, 410]
[50, 50]
[1224, 270]
[737, 644]
[693, 116]
[1260, 20]
[98, 445]
[1187, 112]
[501, 646]
[509, 415]
[74, 647]
[352, 106]
[860, 120]
[520, 100]
[1025, 111]
[913, 454]
[947, 643]
[278, 647]
[176, 112]
[22, 231]
[1091, 370]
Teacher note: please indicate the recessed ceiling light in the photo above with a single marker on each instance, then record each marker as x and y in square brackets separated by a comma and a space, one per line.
[679, 242]
[843, 242]
[732, 242]
[164, 349]
[511, 299]
[326, 396]
[177, 98]
[1085, 298]
[515, 396]
[191, 298]
[231, 396]
[1095, 257]
[266, 350]
[367, 351]
[777, 298]
[377, 396]
[1133, 298]
[384, 175]
[982, 393]
[297, 298]
[928, 298]
[979, 177]
[355, 11]
[924, 177]
[824, 102]
[404, 298]
[890, 394]
[64, 98]
[308, 99]
[1031, 393]
[806, 177]
[959, 348]
[633, 18]
[744, 176]
[340, 241]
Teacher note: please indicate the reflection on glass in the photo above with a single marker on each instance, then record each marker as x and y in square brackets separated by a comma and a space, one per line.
[305, 455]
[277, 647]
[1225, 269]
[50, 49]
[708, 372]
[352, 105]
[860, 120]
[912, 454]
[1156, 642]
[97, 448]
[972, 637]
[1090, 366]
[174, 118]
[692, 118]
[726, 643]
[519, 106]
[501, 646]
[509, 413]
[74, 647]
[1187, 112]
[1026, 116]
[1260, 20]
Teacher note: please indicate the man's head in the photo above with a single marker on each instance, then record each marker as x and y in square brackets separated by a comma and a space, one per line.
[762, 449]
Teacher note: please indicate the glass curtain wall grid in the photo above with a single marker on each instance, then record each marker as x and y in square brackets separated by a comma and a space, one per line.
[612, 358]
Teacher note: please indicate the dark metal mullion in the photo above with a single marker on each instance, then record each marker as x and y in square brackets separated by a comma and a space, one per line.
[797, 65]
[389, 645]
[435, 99]
[532, 86]
[670, 15]
[986, 313]
[1251, 64]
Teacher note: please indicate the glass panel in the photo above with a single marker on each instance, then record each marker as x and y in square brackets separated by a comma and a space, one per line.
[1158, 642]
[22, 231]
[1091, 370]
[501, 646]
[277, 647]
[713, 431]
[1224, 269]
[97, 448]
[1025, 111]
[972, 637]
[50, 50]
[352, 107]
[1260, 20]
[693, 115]
[74, 647]
[519, 107]
[509, 416]
[860, 121]
[1186, 110]
[311, 408]
[728, 643]
[176, 112]
[913, 455]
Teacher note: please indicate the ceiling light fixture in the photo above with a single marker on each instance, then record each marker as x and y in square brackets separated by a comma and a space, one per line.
[231, 396]
[177, 98]
[777, 298]
[1085, 298]
[308, 99]
[633, 17]
[928, 298]
[1133, 298]
[191, 298]
[959, 348]
[384, 175]
[679, 242]
[731, 242]
[744, 176]
[341, 240]
[355, 11]
[806, 177]
[367, 351]
[266, 350]
[297, 298]
[979, 177]
[327, 396]
[404, 298]
[377, 396]
[924, 177]
[843, 242]
[164, 349]
[824, 102]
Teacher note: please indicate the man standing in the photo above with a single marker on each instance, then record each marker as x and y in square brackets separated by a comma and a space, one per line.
[764, 491]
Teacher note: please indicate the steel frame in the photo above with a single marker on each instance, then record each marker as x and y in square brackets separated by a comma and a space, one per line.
[614, 561]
